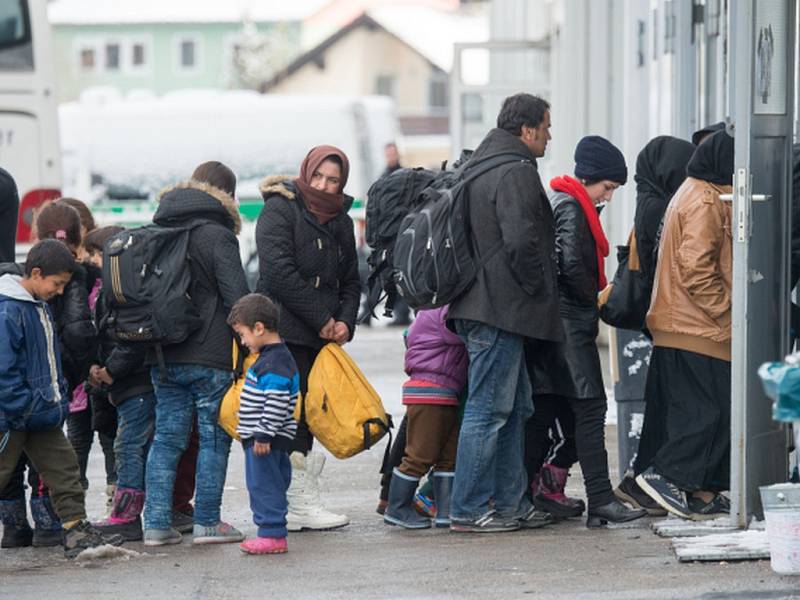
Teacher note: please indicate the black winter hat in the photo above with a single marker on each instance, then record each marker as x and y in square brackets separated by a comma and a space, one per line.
[597, 159]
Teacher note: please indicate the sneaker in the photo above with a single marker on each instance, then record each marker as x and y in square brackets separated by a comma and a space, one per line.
[85, 535]
[182, 522]
[264, 545]
[668, 495]
[221, 533]
[534, 519]
[162, 537]
[628, 491]
[719, 506]
[491, 522]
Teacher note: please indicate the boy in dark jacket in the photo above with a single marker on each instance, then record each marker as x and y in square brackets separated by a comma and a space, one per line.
[266, 420]
[34, 405]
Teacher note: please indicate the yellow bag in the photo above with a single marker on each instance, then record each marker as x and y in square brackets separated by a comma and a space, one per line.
[343, 411]
[229, 409]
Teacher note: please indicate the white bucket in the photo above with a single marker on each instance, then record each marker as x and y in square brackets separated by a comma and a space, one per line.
[782, 513]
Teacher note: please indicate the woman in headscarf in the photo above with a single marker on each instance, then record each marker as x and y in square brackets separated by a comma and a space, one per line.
[690, 320]
[571, 372]
[309, 267]
[660, 171]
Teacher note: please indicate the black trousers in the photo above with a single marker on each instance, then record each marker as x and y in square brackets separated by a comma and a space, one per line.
[695, 391]
[81, 435]
[590, 444]
[550, 435]
[304, 356]
[15, 488]
[396, 454]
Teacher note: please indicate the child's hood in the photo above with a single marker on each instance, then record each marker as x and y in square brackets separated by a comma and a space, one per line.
[11, 288]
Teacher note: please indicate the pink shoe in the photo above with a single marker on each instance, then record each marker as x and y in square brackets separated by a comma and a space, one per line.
[264, 545]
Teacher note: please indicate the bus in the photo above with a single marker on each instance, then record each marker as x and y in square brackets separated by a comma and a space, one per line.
[29, 142]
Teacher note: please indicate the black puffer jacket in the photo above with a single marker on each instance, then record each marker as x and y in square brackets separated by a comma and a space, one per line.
[310, 270]
[660, 171]
[573, 368]
[217, 273]
[517, 290]
[77, 336]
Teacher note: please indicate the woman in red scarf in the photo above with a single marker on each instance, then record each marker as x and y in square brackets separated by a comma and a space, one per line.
[308, 266]
[569, 395]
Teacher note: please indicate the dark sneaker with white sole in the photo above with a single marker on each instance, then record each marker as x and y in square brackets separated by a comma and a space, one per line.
[668, 495]
[719, 506]
[85, 535]
[628, 491]
[534, 519]
[491, 522]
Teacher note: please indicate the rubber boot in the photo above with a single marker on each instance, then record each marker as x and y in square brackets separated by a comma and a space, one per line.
[305, 506]
[47, 525]
[551, 497]
[401, 497]
[442, 490]
[17, 533]
[125, 518]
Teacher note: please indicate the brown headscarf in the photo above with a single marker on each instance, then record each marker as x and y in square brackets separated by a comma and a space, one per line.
[322, 205]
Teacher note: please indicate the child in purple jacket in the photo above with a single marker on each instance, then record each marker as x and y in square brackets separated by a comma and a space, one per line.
[436, 362]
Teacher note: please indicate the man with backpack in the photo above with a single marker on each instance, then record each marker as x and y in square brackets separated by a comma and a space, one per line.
[513, 298]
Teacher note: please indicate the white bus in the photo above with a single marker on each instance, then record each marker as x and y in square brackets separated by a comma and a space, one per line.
[29, 146]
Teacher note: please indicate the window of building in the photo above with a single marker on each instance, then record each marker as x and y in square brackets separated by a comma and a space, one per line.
[112, 53]
[138, 55]
[138, 52]
[438, 96]
[188, 54]
[87, 58]
[384, 85]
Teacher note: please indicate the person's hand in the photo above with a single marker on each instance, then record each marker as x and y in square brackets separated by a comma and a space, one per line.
[94, 378]
[103, 376]
[327, 331]
[261, 448]
[341, 333]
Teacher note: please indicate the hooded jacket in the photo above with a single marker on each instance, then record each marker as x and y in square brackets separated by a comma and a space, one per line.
[516, 290]
[34, 393]
[310, 270]
[435, 354]
[218, 279]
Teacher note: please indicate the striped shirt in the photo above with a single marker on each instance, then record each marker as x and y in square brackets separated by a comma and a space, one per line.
[269, 395]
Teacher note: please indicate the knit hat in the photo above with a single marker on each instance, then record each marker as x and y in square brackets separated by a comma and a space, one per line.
[597, 159]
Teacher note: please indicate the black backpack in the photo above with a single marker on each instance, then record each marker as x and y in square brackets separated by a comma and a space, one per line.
[389, 200]
[147, 281]
[434, 257]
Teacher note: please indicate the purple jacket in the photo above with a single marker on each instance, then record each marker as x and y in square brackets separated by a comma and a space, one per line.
[434, 353]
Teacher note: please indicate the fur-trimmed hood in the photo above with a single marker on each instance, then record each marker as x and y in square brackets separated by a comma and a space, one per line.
[283, 185]
[197, 200]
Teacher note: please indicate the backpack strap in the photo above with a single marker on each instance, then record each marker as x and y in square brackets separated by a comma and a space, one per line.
[387, 427]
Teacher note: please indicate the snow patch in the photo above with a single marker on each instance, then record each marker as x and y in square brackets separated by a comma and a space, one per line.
[107, 552]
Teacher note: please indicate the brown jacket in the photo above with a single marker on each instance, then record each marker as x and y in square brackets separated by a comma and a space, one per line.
[691, 304]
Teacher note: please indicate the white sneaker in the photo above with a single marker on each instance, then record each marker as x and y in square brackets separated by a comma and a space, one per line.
[305, 506]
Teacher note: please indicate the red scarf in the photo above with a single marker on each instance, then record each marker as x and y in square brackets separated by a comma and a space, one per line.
[573, 187]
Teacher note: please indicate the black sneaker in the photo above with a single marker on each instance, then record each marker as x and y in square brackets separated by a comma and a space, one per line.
[534, 519]
[629, 492]
[719, 506]
[182, 522]
[668, 495]
[491, 522]
[85, 535]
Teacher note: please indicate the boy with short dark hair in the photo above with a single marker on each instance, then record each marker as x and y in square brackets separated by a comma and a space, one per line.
[35, 401]
[266, 420]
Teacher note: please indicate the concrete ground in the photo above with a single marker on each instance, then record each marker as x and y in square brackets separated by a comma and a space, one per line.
[368, 559]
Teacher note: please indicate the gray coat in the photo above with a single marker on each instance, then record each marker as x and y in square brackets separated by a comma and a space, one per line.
[516, 291]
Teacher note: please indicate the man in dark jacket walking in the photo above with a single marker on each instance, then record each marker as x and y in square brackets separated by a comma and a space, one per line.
[513, 298]
[197, 372]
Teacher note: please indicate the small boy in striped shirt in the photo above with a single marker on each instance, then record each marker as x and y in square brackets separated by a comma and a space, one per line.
[266, 420]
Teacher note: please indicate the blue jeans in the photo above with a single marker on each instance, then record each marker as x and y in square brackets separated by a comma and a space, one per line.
[490, 461]
[268, 478]
[184, 391]
[136, 420]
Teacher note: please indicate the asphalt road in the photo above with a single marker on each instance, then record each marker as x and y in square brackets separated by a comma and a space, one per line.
[369, 560]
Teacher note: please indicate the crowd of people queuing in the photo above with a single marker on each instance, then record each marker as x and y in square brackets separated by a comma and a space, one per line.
[505, 391]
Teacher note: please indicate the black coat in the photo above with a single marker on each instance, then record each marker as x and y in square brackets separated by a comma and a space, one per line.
[9, 213]
[572, 368]
[310, 270]
[516, 291]
[660, 171]
[218, 279]
[77, 336]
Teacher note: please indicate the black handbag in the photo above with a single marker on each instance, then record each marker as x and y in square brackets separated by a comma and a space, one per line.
[625, 302]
